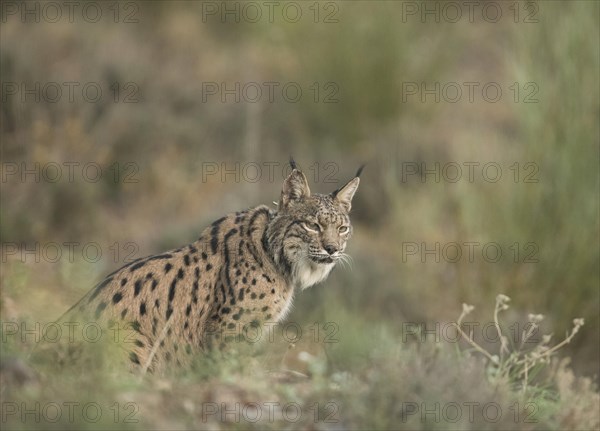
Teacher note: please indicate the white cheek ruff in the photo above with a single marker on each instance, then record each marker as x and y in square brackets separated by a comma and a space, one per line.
[307, 273]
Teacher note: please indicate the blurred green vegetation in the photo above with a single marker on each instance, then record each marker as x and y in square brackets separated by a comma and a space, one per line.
[170, 133]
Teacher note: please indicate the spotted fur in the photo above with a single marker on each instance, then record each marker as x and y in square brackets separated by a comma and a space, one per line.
[241, 273]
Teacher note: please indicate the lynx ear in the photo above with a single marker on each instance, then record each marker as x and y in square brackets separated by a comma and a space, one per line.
[295, 188]
[345, 194]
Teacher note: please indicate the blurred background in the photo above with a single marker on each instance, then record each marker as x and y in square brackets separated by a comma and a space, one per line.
[476, 128]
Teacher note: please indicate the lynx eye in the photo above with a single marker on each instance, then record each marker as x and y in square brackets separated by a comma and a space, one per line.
[313, 227]
[343, 229]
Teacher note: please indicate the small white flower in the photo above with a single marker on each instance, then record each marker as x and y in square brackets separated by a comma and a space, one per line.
[467, 308]
[501, 302]
[495, 359]
[578, 322]
[535, 318]
[306, 357]
[502, 299]
[546, 339]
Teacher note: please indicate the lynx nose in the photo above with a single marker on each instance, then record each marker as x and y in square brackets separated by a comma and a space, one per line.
[331, 249]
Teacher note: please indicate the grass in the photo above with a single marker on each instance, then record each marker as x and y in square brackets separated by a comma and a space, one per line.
[355, 376]
[378, 371]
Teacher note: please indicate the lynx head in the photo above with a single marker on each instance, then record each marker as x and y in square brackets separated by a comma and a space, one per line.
[310, 231]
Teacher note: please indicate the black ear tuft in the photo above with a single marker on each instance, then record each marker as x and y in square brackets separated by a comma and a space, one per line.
[293, 163]
[360, 170]
[335, 192]
[345, 194]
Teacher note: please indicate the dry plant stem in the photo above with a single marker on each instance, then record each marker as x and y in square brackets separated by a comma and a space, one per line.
[503, 347]
[156, 345]
[517, 363]
[527, 360]
[475, 345]
[527, 334]
[559, 345]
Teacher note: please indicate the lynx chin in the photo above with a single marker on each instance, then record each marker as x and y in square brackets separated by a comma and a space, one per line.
[241, 272]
